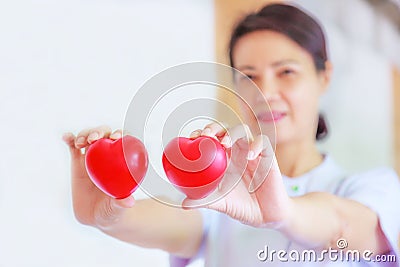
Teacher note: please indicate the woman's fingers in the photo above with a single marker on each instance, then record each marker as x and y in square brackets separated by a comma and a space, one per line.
[88, 136]
[128, 202]
[236, 133]
[207, 202]
[261, 150]
[226, 136]
[211, 130]
[214, 129]
[196, 133]
[260, 144]
[117, 134]
[69, 140]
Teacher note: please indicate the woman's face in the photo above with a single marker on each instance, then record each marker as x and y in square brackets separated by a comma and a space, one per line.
[286, 75]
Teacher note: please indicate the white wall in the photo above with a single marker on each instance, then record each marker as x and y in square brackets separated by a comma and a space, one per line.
[67, 65]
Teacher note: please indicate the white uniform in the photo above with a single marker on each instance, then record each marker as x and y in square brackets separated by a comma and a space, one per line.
[229, 243]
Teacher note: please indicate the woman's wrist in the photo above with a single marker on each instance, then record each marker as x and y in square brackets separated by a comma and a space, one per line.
[283, 219]
[109, 216]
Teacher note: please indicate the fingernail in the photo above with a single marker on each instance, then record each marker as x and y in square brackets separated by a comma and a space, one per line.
[207, 131]
[93, 136]
[64, 137]
[80, 140]
[225, 141]
[194, 134]
[250, 156]
[116, 135]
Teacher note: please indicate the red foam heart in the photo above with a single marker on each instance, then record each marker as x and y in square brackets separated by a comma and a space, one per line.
[117, 167]
[194, 166]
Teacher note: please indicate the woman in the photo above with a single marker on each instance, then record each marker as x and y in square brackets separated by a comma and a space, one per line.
[305, 202]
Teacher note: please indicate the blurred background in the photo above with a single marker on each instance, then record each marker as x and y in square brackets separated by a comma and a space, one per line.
[69, 65]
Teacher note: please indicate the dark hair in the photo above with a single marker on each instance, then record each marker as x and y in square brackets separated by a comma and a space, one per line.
[295, 24]
[322, 129]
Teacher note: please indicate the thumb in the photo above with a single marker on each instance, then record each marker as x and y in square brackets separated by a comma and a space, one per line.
[69, 140]
[213, 204]
[124, 203]
[111, 209]
[189, 203]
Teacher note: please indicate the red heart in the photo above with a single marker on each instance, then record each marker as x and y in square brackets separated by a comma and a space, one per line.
[194, 166]
[117, 167]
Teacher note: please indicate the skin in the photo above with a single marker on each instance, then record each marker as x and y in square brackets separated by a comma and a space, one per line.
[127, 219]
[286, 76]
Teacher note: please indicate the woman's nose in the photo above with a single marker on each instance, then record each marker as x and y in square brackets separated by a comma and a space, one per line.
[269, 89]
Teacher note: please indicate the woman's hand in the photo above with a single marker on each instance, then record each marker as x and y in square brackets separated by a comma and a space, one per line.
[146, 223]
[258, 196]
[92, 206]
[314, 220]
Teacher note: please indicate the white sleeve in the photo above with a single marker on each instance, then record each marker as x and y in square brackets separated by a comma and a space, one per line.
[207, 216]
[379, 190]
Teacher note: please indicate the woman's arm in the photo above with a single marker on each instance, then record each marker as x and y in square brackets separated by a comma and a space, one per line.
[151, 224]
[320, 219]
[145, 223]
[315, 220]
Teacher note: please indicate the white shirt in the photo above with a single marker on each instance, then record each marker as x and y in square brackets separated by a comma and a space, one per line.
[229, 243]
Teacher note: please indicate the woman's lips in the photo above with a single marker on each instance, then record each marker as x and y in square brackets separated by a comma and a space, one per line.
[272, 116]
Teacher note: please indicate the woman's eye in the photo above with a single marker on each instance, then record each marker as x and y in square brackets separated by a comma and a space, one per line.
[287, 72]
[251, 77]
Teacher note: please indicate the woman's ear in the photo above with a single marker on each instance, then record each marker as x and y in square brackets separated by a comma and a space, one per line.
[325, 76]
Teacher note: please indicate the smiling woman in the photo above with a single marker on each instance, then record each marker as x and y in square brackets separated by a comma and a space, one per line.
[306, 200]
[307, 35]
[287, 76]
[295, 198]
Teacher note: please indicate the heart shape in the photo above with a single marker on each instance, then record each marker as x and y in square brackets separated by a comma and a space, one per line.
[117, 167]
[194, 166]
